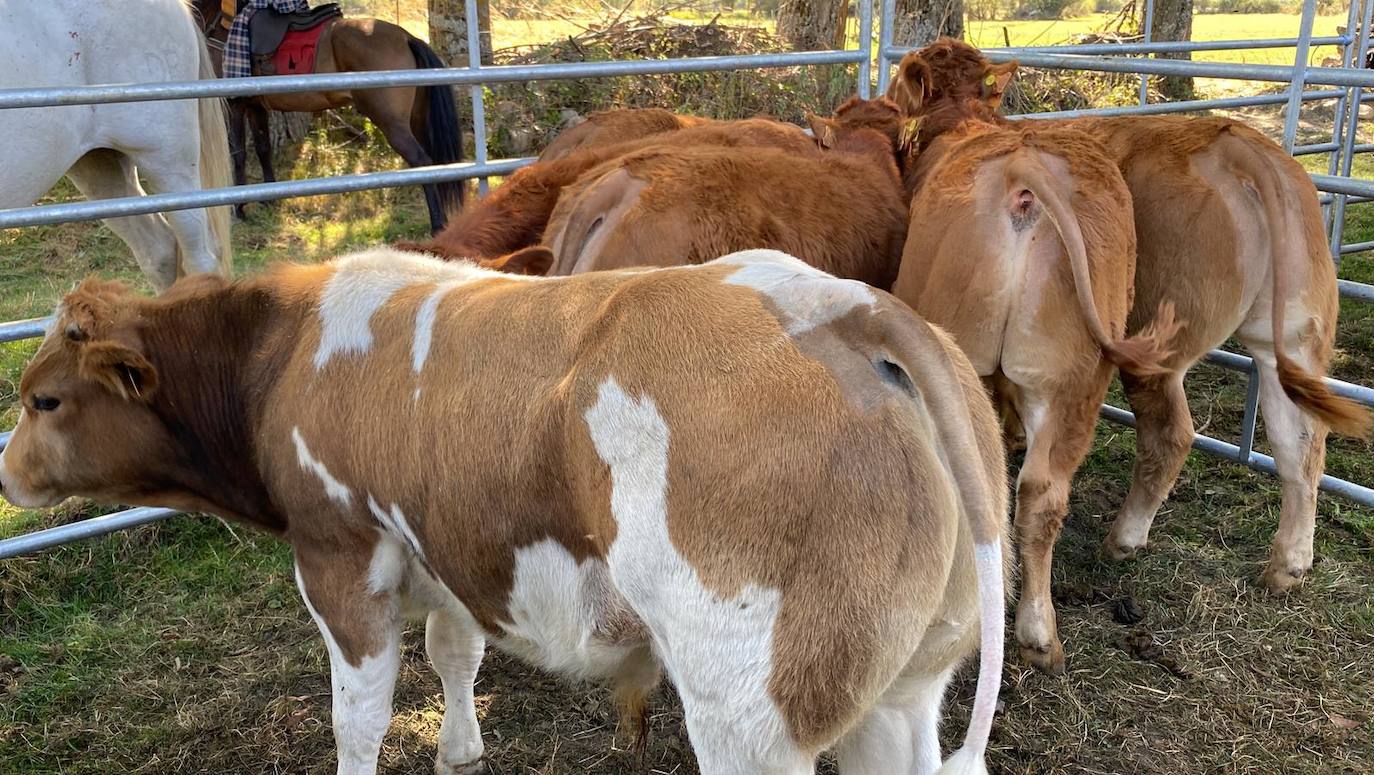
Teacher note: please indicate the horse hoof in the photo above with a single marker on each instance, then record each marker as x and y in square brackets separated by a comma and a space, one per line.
[1048, 659]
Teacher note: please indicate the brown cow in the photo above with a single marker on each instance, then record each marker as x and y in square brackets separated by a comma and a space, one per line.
[785, 489]
[841, 211]
[1021, 246]
[612, 127]
[1230, 234]
[515, 215]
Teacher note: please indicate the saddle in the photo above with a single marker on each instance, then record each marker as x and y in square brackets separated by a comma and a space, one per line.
[267, 28]
[284, 43]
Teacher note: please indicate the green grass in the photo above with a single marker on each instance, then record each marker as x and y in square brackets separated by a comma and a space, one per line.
[183, 647]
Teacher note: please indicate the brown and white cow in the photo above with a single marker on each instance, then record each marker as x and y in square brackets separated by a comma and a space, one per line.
[841, 210]
[784, 489]
[1021, 246]
[1230, 234]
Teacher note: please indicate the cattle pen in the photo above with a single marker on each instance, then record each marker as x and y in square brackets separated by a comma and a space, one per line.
[1343, 85]
[1342, 90]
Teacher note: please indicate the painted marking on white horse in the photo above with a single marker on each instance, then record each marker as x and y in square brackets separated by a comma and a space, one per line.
[394, 523]
[718, 651]
[555, 607]
[809, 297]
[336, 490]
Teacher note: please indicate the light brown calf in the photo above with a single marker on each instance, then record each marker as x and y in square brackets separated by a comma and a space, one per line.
[612, 127]
[841, 211]
[515, 215]
[1231, 235]
[1021, 246]
[785, 489]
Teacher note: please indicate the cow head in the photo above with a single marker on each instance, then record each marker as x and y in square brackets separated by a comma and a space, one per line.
[86, 420]
[947, 74]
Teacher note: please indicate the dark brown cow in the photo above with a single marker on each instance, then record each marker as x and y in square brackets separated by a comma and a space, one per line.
[785, 489]
[1230, 235]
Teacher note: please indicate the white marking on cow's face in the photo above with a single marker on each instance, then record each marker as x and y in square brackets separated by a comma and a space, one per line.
[336, 490]
[808, 297]
[363, 282]
[362, 694]
[719, 652]
[394, 523]
[556, 608]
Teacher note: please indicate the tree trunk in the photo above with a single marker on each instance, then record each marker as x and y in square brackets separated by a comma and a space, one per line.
[813, 25]
[1173, 20]
[917, 23]
[448, 30]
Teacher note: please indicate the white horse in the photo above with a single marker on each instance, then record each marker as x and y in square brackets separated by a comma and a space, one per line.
[174, 146]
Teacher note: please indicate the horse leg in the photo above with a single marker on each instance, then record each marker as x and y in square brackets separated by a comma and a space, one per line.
[172, 169]
[107, 174]
[395, 126]
[259, 120]
[238, 151]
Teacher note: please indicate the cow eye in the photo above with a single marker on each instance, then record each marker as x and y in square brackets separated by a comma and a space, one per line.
[45, 403]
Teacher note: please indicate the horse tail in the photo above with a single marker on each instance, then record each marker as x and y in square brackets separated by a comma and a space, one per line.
[214, 164]
[443, 136]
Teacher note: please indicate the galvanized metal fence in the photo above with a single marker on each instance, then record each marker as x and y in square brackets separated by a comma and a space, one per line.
[1340, 190]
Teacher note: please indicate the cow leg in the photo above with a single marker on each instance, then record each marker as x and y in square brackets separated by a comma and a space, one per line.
[455, 644]
[724, 746]
[362, 631]
[1059, 430]
[1164, 434]
[901, 734]
[1298, 441]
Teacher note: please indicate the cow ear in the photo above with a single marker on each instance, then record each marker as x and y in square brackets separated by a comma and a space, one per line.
[121, 369]
[533, 260]
[911, 87]
[823, 128]
[997, 79]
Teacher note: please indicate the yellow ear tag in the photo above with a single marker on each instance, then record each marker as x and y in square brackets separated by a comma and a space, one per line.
[911, 131]
[990, 80]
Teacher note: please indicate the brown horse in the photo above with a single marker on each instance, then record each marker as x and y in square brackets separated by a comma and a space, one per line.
[420, 123]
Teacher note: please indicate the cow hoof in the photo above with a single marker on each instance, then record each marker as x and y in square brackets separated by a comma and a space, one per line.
[471, 768]
[1119, 552]
[1048, 659]
[1280, 581]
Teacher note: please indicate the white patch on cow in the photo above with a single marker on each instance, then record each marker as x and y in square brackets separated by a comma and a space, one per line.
[394, 523]
[336, 490]
[362, 695]
[808, 297]
[389, 567]
[424, 327]
[555, 607]
[719, 652]
[363, 282]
